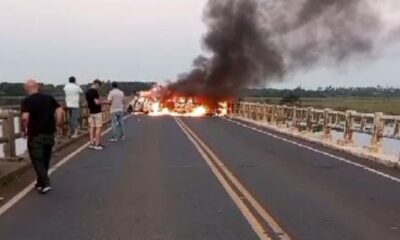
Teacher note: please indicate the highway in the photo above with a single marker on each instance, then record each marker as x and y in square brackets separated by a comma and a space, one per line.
[176, 178]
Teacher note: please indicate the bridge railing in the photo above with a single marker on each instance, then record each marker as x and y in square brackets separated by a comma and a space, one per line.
[325, 121]
[10, 125]
[10, 121]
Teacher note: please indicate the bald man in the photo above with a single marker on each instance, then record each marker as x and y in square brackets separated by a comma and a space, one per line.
[40, 115]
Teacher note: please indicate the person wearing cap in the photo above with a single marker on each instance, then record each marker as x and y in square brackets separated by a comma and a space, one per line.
[41, 114]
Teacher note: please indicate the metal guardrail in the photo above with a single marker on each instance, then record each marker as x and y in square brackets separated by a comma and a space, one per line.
[10, 121]
[323, 120]
[9, 134]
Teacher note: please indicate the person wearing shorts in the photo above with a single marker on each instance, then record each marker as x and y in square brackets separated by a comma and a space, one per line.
[95, 115]
[96, 120]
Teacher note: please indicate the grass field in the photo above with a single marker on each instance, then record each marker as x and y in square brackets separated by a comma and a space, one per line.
[390, 106]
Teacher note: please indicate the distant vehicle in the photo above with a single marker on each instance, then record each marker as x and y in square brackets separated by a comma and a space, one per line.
[141, 105]
[185, 105]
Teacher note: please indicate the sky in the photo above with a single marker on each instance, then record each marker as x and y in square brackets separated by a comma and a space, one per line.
[132, 40]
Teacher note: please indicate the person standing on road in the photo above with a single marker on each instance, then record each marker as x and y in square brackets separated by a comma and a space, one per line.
[72, 99]
[95, 115]
[41, 114]
[116, 101]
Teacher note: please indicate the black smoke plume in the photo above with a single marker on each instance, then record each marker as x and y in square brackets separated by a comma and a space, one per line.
[254, 42]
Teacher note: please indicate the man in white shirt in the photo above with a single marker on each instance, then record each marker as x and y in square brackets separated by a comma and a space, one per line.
[72, 99]
[116, 101]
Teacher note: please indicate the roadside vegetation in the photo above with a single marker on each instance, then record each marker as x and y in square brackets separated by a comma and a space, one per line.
[369, 100]
[390, 106]
[13, 93]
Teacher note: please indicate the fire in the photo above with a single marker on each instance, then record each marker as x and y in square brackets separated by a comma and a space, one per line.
[199, 112]
[156, 110]
[223, 109]
[155, 103]
[155, 107]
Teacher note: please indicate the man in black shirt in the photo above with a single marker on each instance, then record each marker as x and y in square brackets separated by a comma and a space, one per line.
[96, 116]
[40, 115]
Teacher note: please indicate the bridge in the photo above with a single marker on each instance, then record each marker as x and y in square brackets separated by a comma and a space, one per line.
[178, 178]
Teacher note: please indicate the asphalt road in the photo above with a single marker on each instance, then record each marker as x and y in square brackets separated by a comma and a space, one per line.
[312, 195]
[156, 185]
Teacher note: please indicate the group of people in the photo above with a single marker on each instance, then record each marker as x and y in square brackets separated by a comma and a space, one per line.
[42, 114]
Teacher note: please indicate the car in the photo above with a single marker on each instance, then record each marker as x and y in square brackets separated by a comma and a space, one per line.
[185, 105]
[140, 105]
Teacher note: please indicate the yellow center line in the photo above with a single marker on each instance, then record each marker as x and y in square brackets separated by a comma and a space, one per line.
[225, 177]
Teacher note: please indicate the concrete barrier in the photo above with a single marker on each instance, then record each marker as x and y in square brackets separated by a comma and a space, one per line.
[10, 120]
[326, 125]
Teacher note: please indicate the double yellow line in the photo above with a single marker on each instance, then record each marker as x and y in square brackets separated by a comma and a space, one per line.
[259, 219]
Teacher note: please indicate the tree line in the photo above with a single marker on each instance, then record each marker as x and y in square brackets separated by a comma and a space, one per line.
[17, 89]
[323, 92]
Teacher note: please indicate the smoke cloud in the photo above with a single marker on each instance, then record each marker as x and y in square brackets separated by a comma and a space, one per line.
[255, 42]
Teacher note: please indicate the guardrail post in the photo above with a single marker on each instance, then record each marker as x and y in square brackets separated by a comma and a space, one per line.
[67, 119]
[277, 115]
[280, 116]
[309, 118]
[335, 119]
[273, 114]
[264, 113]
[287, 114]
[237, 108]
[246, 111]
[268, 113]
[327, 123]
[284, 115]
[234, 109]
[84, 118]
[294, 117]
[9, 134]
[256, 112]
[396, 129]
[348, 129]
[377, 137]
[362, 123]
[251, 111]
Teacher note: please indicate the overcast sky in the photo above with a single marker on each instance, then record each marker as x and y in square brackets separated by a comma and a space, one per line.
[132, 40]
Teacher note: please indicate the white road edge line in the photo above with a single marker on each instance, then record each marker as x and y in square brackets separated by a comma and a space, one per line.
[199, 145]
[382, 174]
[31, 186]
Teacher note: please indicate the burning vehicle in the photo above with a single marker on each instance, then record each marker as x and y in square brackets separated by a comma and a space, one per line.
[140, 105]
[159, 101]
[185, 105]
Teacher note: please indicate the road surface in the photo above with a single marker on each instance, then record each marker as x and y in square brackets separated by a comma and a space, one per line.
[208, 178]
